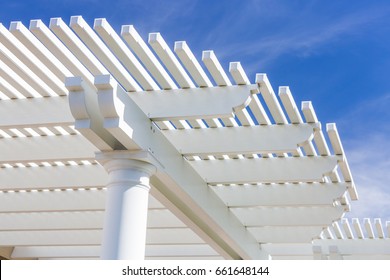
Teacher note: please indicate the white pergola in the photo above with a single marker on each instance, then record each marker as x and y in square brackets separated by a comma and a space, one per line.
[111, 148]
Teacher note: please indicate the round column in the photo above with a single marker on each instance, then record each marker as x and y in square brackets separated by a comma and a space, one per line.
[124, 232]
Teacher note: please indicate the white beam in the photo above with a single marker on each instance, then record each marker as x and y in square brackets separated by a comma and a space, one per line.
[265, 170]
[92, 237]
[80, 176]
[288, 216]
[77, 218]
[47, 148]
[152, 251]
[177, 181]
[197, 103]
[35, 112]
[357, 246]
[281, 194]
[240, 140]
[285, 234]
[56, 201]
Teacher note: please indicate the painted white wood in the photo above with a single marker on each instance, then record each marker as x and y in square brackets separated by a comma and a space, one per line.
[197, 103]
[51, 148]
[152, 251]
[25, 72]
[240, 140]
[195, 197]
[170, 61]
[124, 54]
[103, 53]
[263, 170]
[192, 65]
[92, 237]
[137, 44]
[30, 61]
[39, 50]
[59, 50]
[280, 235]
[215, 68]
[288, 216]
[52, 177]
[76, 46]
[238, 73]
[35, 112]
[270, 98]
[290, 105]
[281, 194]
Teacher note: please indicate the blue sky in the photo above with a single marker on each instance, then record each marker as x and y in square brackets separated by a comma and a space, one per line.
[334, 53]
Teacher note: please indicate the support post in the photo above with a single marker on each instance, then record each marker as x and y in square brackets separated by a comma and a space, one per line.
[124, 232]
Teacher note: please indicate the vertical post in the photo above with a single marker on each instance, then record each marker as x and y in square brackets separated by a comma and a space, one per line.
[124, 232]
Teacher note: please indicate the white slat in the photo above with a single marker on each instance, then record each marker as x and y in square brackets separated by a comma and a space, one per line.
[241, 140]
[215, 68]
[39, 50]
[288, 216]
[59, 50]
[191, 64]
[35, 112]
[25, 73]
[77, 47]
[53, 177]
[105, 56]
[32, 62]
[134, 40]
[123, 53]
[280, 194]
[170, 61]
[270, 98]
[238, 73]
[265, 170]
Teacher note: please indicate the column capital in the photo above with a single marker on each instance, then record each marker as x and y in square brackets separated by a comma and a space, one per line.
[126, 167]
[139, 160]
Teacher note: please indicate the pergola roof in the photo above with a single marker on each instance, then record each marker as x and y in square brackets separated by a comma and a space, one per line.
[241, 173]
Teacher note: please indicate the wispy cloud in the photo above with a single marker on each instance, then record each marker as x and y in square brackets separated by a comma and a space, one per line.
[367, 148]
[369, 159]
[302, 35]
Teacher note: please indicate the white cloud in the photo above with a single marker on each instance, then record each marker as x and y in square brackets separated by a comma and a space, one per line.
[368, 152]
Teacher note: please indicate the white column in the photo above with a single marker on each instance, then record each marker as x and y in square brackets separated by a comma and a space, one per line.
[124, 232]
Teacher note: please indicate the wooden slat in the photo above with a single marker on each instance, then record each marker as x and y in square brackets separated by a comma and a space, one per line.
[51, 148]
[215, 68]
[170, 61]
[53, 177]
[123, 53]
[137, 44]
[59, 50]
[265, 170]
[191, 64]
[280, 194]
[101, 51]
[35, 112]
[54, 85]
[288, 216]
[240, 140]
[282, 235]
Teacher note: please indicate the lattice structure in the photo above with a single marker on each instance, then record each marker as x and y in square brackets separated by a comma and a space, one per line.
[241, 172]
